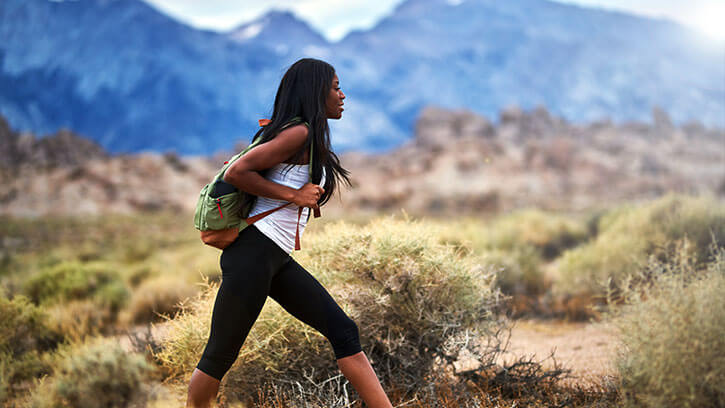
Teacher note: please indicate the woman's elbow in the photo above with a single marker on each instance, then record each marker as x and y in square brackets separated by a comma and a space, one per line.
[231, 176]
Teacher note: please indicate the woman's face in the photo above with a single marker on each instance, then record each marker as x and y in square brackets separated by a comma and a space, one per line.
[334, 102]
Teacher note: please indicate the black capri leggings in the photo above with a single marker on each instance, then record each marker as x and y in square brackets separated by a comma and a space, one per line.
[253, 267]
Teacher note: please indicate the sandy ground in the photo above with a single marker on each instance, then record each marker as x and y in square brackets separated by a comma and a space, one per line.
[587, 349]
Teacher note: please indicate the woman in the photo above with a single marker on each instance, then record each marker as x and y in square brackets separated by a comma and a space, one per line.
[257, 263]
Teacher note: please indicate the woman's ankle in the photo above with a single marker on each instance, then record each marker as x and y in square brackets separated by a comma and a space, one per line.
[202, 390]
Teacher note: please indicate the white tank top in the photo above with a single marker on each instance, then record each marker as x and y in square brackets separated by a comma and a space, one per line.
[281, 225]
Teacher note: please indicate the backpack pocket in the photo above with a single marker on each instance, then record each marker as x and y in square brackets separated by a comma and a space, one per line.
[200, 211]
[223, 211]
[219, 238]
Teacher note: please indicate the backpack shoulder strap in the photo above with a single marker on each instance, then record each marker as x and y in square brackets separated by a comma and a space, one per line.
[312, 147]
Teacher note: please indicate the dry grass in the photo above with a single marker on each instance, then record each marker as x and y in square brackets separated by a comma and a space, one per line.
[161, 295]
[80, 319]
[673, 334]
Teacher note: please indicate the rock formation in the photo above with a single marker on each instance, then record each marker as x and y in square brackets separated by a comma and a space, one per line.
[457, 163]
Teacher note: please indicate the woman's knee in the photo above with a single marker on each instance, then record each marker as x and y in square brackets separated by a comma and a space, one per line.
[345, 338]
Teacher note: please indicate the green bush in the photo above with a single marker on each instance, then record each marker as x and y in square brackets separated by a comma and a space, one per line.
[24, 336]
[113, 296]
[673, 335]
[549, 233]
[90, 375]
[75, 280]
[630, 234]
[23, 327]
[519, 270]
[138, 250]
[408, 294]
[518, 244]
[18, 372]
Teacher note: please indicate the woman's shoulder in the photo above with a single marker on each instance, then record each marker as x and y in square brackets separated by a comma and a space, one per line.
[295, 135]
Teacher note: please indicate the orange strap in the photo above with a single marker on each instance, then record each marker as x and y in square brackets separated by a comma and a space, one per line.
[252, 220]
[297, 233]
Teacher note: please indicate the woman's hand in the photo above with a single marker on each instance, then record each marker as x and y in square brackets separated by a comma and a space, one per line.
[308, 195]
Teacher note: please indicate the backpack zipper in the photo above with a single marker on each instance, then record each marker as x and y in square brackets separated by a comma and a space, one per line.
[219, 206]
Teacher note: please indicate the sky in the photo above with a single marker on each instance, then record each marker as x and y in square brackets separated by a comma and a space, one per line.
[333, 20]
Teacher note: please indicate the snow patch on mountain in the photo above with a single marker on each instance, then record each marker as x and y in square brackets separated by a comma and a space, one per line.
[248, 32]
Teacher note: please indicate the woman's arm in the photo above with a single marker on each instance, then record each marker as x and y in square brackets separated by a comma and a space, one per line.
[243, 173]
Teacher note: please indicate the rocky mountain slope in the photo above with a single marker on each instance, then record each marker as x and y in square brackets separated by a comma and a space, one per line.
[133, 79]
[24, 152]
[66, 174]
[460, 162]
[457, 163]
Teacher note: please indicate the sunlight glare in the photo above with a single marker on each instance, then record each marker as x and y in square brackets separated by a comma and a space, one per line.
[711, 20]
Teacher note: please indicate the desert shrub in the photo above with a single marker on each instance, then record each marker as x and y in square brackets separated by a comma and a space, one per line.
[157, 296]
[89, 375]
[112, 296]
[139, 273]
[79, 319]
[630, 234]
[187, 261]
[83, 299]
[23, 327]
[6, 261]
[518, 270]
[18, 372]
[137, 250]
[550, 233]
[518, 244]
[673, 335]
[408, 294]
[74, 280]
[189, 331]
[24, 336]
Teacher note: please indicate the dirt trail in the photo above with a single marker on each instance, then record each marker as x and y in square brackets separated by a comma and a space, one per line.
[588, 349]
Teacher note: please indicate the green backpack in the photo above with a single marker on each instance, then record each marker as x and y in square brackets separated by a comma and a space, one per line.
[222, 210]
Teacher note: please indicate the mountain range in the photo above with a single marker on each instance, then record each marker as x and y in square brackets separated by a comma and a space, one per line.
[457, 163]
[131, 78]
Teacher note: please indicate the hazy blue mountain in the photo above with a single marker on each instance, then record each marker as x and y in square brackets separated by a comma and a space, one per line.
[280, 30]
[131, 78]
[127, 76]
[581, 63]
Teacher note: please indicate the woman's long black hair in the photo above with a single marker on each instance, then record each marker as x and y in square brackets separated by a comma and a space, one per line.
[303, 93]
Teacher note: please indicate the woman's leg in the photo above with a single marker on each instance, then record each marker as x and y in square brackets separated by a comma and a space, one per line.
[247, 268]
[357, 369]
[305, 298]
